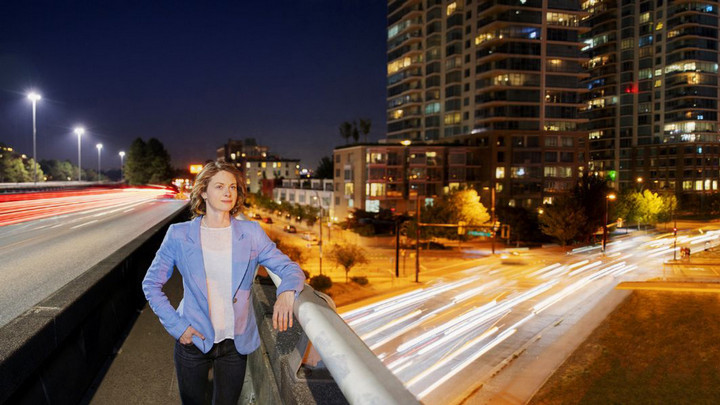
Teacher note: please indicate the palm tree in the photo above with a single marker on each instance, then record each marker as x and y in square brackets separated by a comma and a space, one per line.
[355, 132]
[365, 125]
[346, 131]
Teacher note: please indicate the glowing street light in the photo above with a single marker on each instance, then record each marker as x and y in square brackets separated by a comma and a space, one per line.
[99, 148]
[34, 98]
[605, 228]
[122, 168]
[79, 131]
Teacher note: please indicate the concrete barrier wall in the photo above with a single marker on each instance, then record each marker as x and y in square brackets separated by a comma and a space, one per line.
[52, 353]
[274, 368]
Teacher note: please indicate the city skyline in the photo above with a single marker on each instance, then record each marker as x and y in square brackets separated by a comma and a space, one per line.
[286, 74]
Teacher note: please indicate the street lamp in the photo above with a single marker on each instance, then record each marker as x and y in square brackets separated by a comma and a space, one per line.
[79, 131]
[99, 148]
[316, 198]
[605, 223]
[34, 98]
[122, 168]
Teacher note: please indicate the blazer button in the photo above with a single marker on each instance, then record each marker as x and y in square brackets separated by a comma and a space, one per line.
[234, 300]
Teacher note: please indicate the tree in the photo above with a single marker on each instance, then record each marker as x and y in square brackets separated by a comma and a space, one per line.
[355, 133]
[346, 131]
[148, 163]
[650, 205]
[467, 207]
[136, 169]
[295, 253]
[590, 193]
[348, 256]
[160, 164]
[627, 207]
[29, 165]
[59, 170]
[325, 168]
[562, 220]
[461, 205]
[364, 125]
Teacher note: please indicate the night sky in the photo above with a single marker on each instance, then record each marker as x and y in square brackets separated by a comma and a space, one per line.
[192, 74]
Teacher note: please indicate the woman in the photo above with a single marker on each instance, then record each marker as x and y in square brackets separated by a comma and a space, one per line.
[214, 325]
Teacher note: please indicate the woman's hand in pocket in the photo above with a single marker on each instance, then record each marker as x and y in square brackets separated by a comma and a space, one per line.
[186, 337]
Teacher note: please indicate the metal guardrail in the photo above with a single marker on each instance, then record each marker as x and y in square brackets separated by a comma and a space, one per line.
[361, 376]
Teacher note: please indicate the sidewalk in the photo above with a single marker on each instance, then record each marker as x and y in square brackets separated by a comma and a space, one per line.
[143, 371]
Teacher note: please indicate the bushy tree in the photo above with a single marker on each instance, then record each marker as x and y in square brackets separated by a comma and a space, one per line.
[563, 220]
[348, 255]
[590, 193]
[148, 163]
[650, 205]
[461, 205]
[57, 170]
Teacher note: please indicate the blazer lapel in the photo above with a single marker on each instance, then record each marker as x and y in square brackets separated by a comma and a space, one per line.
[240, 254]
[194, 256]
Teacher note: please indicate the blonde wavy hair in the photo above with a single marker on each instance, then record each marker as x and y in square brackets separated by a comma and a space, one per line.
[197, 203]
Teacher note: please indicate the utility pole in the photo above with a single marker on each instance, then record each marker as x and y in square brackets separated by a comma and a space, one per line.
[417, 237]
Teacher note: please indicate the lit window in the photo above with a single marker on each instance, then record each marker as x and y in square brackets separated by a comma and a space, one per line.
[263, 165]
[397, 114]
[698, 185]
[687, 185]
[499, 172]
[349, 188]
[247, 165]
[451, 8]
[658, 83]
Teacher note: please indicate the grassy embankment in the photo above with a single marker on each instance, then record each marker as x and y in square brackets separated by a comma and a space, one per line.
[655, 348]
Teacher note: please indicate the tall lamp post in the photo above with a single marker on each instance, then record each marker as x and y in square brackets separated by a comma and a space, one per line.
[79, 131]
[605, 223]
[99, 148]
[34, 98]
[122, 168]
[322, 212]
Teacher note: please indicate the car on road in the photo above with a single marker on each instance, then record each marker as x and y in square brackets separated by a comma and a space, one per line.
[290, 229]
[309, 236]
[267, 220]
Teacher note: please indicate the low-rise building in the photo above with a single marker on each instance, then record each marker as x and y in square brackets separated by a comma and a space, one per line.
[309, 192]
[379, 176]
[261, 168]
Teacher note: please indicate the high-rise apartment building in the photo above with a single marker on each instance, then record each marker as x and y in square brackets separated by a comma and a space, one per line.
[653, 100]
[503, 75]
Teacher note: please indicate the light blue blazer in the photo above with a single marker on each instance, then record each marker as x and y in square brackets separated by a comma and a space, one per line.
[181, 248]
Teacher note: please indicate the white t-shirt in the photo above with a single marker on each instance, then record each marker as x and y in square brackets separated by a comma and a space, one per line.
[217, 257]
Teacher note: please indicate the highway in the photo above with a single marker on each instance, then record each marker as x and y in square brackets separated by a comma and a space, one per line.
[52, 246]
[447, 340]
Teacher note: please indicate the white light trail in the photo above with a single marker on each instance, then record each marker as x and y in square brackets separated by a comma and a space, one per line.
[469, 344]
[468, 361]
[391, 324]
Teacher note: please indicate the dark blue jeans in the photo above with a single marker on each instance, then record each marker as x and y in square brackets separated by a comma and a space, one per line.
[193, 366]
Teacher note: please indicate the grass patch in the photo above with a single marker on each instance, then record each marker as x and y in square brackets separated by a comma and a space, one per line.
[655, 348]
[347, 293]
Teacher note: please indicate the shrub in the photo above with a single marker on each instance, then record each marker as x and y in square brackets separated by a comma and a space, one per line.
[321, 283]
[361, 280]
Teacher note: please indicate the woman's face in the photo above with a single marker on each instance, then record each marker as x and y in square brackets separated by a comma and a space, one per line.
[221, 193]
